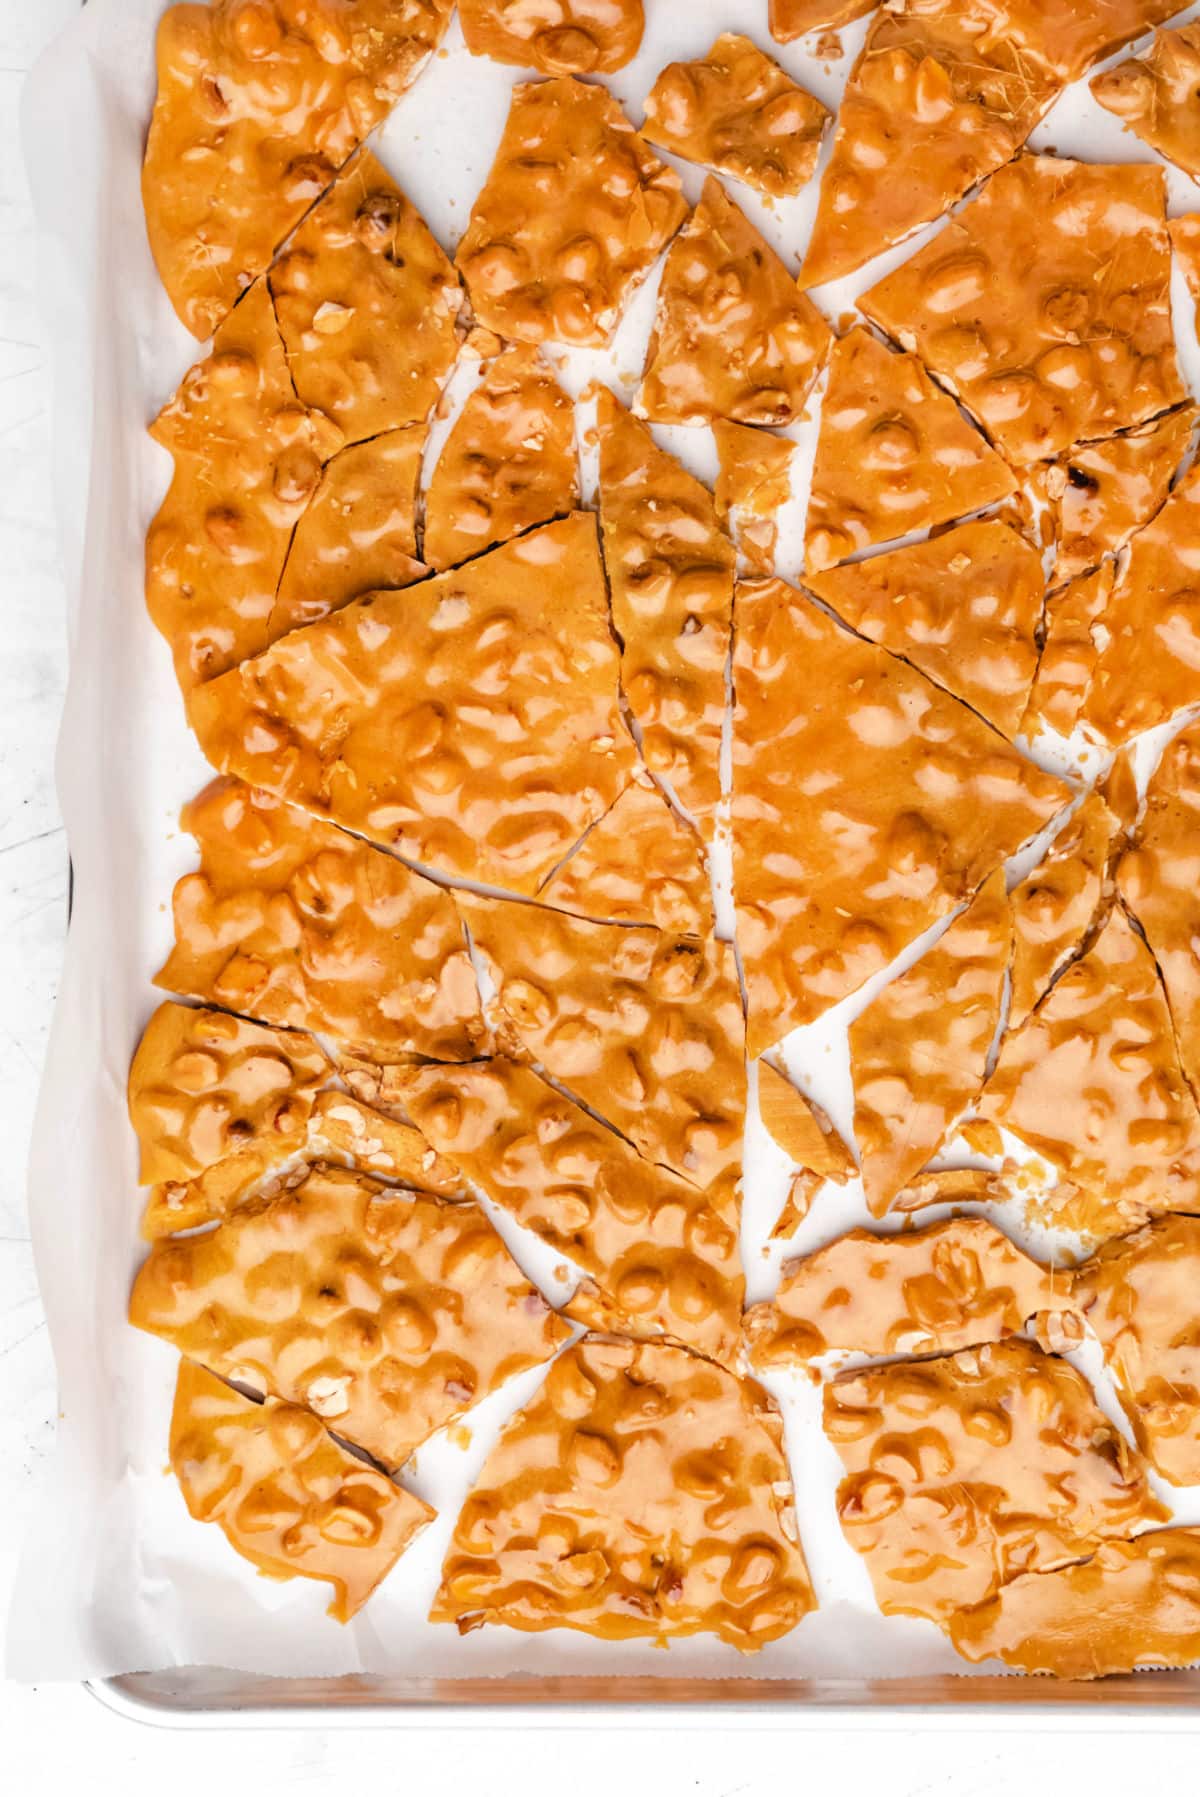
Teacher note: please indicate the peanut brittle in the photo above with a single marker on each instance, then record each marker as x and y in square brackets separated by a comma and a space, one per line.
[895, 455]
[733, 337]
[801, 1128]
[866, 804]
[962, 1472]
[753, 482]
[576, 208]
[951, 1185]
[1070, 650]
[670, 569]
[643, 1492]
[1054, 906]
[471, 722]
[387, 1314]
[660, 1257]
[640, 864]
[788, 19]
[248, 459]
[935, 1290]
[918, 1052]
[1070, 35]
[258, 105]
[1156, 96]
[963, 607]
[376, 1143]
[509, 461]
[735, 110]
[643, 1027]
[1048, 337]
[1132, 1605]
[368, 305]
[1100, 493]
[174, 1205]
[1184, 233]
[203, 1083]
[296, 922]
[289, 1498]
[559, 37]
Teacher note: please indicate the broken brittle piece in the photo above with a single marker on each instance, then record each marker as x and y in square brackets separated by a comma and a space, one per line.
[174, 1205]
[559, 37]
[1070, 35]
[1057, 903]
[953, 1185]
[801, 1128]
[640, 864]
[1155, 96]
[788, 19]
[376, 1143]
[753, 482]
[1099, 494]
[1070, 651]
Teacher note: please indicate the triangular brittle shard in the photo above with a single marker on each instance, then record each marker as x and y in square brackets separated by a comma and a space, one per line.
[894, 455]
[963, 607]
[1100, 493]
[1056, 904]
[1070, 650]
[801, 1128]
[571, 37]
[753, 482]
[640, 864]
[1154, 96]
[866, 804]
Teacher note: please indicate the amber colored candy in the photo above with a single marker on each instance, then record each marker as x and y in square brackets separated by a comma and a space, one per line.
[965, 1470]
[509, 461]
[259, 103]
[1070, 651]
[1100, 493]
[1155, 96]
[248, 459]
[735, 110]
[918, 1052]
[374, 1142]
[203, 1083]
[753, 481]
[1133, 1605]
[470, 722]
[1184, 233]
[866, 804]
[643, 1492]
[294, 921]
[1048, 337]
[801, 1128]
[670, 569]
[388, 1314]
[953, 1185]
[963, 607]
[788, 19]
[559, 37]
[1070, 35]
[574, 212]
[733, 337]
[178, 1204]
[660, 1257]
[644, 1028]
[640, 864]
[1056, 904]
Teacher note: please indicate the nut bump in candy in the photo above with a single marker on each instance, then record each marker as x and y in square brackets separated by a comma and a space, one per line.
[559, 37]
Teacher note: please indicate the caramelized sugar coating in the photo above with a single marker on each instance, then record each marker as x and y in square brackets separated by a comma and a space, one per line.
[644, 1028]
[670, 570]
[1092, 1081]
[951, 1285]
[342, 1124]
[801, 1128]
[576, 208]
[1156, 96]
[661, 1257]
[1054, 907]
[964, 1471]
[248, 459]
[733, 337]
[1134, 1604]
[359, 532]
[951, 1185]
[918, 1053]
[895, 455]
[508, 462]
[203, 1083]
[963, 607]
[289, 1498]
[368, 305]
[294, 921]
[1100, 493]
[1070, 651]
[753, 480]
[788, 19]
[640, 864]
[735, 110]
[643, 1492]
[259, 103]
[866, 804]
[1050, 337]
[471, 722]
[1070, 35]
[559, 37]
[1184, 233]
[387, 1314]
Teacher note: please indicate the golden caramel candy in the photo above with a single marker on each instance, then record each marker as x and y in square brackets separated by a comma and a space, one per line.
[753, 481]
[259, 103]
[962, 1472]
[289, 1498]
[1070, 35]
[471, 722]
[1100, 493]
[177, 1204]
[294, 921]
[1054, 907]
[963, 607]
[788, 19]
[643, 1492]
[1070, 650]
[559, 37]
[645, 1028]
[387, 1314]
[866, 805]
[735, 110]
[1054, 336]
[953, 1185]
[661, 1257]
[1092, 1081]
[1133, 1605]
[1185, 241]
[202, 1084]
[801, 1128]
[248, 459]
[640, 864]
[733, 337]
[574, 212]
[951, 1285]
[376, 1143]
[671, 573]
[1155, 96]
[918, 1052]
[368, 305]
[509, 461]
